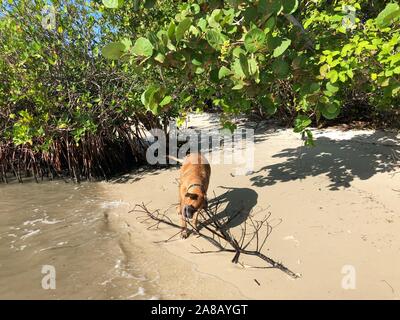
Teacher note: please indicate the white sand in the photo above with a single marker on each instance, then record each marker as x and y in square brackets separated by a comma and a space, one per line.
[331, 206]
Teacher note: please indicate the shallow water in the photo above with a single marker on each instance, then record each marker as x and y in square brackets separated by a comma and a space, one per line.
[65, 226]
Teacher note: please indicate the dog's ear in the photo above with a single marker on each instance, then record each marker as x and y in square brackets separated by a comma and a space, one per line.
[192, 196]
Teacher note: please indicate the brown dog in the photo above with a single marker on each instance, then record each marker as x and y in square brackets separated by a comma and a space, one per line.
[194, 179]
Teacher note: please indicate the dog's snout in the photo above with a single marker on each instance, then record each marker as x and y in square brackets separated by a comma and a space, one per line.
[188, 212]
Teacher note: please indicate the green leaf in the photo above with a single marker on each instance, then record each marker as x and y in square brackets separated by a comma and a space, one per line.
[280, 68]
[237, 52]
[113, 4]
[214, 18]
[199, 70]
[197, 61]
[202, 24]
[160, 57]
[254, 40]
[113, 50]
[333, 76]
[165, 101]
[127, 43]
[244, 64]
[272, 42]
[270, 24]
[310, 139]
[148, 4]
[323, 70]
[268, 105]
[270, 6]
[262, 6]
[223, 72]
[331, 110]
[301, 123]
[163, 36]
[342, 76]
[252, 66]
[238, 86]
[214, 75]
[149, 100]
[250, 14]
[388, 15]
[171, 31]
[290, 6]
[350, 73]
[143, 47]
[281, 48]
[331, 87]
[233, 3]
[194, 31]
[181, 28]
[195, 8]
[313, 87]
[238, 70]
[215, 39]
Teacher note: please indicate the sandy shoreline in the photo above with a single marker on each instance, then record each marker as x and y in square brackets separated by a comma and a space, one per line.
[332, 207]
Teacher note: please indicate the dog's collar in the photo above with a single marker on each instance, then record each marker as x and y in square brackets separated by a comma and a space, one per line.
[195, 185]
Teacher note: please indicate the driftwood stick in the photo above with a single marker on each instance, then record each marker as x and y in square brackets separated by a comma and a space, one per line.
[216, 228]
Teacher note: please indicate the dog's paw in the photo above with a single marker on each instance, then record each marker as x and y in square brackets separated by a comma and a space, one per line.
[184, 234]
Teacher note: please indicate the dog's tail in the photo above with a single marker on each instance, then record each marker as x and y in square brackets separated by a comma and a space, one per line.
[175, 159]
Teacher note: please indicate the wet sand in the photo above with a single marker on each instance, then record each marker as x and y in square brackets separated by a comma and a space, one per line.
[334, 212]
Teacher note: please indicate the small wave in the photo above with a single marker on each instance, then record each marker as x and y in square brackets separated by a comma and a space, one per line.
[31, 222]
[41, 220]
[140, 292]
[53, 221]
[113, 204]
[30, 234]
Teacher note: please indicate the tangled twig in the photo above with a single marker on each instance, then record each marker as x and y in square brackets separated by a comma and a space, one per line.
[221, 237]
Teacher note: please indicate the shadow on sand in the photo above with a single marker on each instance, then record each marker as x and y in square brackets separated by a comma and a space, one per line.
[237, 203]
[361, 157]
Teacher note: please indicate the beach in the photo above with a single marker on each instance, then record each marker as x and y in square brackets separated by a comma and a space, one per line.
[333, 212]
[329, 215]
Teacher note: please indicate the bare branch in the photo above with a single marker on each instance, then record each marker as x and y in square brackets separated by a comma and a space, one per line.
[220, 233]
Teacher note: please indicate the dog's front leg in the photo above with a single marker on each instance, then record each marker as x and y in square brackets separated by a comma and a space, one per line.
[184, 232]
[195, 221]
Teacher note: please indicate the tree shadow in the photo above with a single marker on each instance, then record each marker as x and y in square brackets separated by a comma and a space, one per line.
[360, 156]
[237, 204]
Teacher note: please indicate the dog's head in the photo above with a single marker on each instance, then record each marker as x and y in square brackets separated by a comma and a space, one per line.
[195, 199]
